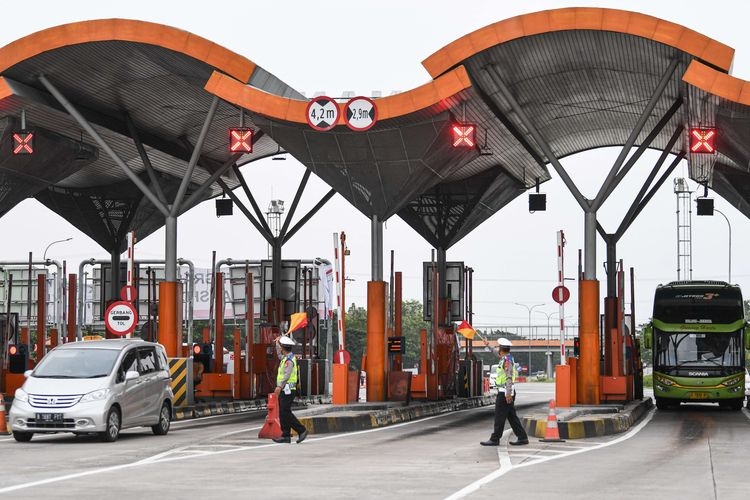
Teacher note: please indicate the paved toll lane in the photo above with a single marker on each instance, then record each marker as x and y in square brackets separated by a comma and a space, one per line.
[697, 452]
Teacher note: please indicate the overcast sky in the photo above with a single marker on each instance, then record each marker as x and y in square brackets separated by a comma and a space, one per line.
[366, 46]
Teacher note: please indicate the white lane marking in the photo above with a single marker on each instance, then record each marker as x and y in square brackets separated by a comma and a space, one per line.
[746, 412]
[505, 468]
[165, 456]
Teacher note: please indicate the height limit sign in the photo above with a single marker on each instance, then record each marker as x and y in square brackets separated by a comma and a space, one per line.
[360, 113]
[322, 113]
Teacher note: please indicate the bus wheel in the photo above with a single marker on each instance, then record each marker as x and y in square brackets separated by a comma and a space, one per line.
[662, 404]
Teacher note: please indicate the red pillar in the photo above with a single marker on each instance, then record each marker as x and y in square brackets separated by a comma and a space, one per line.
[41, 318]
[219, 308]
[72, 308]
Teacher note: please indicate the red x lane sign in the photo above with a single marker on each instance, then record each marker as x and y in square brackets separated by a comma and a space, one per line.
[23, 142]
[241, 140]
[702, 140]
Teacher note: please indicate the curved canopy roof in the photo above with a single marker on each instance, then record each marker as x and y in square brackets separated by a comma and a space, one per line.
[580, 77]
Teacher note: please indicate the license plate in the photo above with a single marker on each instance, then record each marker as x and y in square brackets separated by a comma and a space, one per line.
[49, 418]
[699, 395]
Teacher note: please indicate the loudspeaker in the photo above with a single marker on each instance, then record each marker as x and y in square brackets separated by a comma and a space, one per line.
[705, 206]
[537, 202]
[224, 206]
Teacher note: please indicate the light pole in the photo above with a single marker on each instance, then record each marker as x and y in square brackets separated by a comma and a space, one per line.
[729, 226]
[548, 353]
[529, 308]
[44, 258]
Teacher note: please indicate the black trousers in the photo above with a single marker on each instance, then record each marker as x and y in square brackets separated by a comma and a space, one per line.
[503, 411]
[286, 417]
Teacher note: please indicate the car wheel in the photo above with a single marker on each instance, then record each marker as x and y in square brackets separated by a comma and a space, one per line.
[112, 431]
[22, 437]
[165, 417]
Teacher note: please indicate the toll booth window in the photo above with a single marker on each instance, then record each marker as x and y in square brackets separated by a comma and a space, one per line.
[149, 362]
[129, 363]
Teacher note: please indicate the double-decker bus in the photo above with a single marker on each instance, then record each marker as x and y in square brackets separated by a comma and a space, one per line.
[698, 340]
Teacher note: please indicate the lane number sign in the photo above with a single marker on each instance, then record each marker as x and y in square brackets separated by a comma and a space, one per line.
[322, 113]
[360, 113]
[121, 318]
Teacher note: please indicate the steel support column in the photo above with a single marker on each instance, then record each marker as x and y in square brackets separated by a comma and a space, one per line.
[376, 249]
[102, 144]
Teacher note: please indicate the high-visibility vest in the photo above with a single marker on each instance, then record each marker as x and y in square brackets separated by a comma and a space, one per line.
[280, 373]
[501, 376]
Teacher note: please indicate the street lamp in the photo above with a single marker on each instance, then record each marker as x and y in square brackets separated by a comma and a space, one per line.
[529, 308]
[729, 226]
[44, 258]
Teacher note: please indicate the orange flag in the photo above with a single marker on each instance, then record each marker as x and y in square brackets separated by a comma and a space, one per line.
[466, 330]
[297, 321]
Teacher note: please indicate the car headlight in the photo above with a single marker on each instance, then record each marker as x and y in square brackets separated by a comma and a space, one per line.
[21, 395]
[95, 395]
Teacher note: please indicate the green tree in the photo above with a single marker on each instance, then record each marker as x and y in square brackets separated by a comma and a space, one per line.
[412, 324]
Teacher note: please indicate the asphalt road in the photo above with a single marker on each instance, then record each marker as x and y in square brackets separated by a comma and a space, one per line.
[697, 452]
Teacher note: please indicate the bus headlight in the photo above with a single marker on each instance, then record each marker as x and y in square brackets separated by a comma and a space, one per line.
[733, 380]
[664, 380]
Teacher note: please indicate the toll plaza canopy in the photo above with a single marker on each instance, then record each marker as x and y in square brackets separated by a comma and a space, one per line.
[579, 78]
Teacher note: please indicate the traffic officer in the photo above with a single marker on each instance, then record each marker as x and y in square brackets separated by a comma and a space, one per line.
[506, 395]
[286, 388]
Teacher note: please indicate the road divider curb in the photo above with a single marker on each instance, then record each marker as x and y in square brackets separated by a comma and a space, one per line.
[579, 423]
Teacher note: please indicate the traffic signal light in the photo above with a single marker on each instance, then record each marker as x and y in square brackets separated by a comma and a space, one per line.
[576, 346]
[202, 354]
[18, 358]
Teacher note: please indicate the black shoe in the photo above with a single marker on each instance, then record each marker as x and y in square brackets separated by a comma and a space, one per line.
[519, 442]
[490, 442]
[282, 440]
[302, 436]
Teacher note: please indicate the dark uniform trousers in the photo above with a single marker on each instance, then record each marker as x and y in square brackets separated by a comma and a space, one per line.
[503, 411]
[286, 417]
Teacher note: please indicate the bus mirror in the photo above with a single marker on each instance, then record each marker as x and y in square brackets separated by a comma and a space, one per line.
[747, 337]
[648, 332]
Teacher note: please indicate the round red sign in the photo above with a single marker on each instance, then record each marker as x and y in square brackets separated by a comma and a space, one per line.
[560, 294]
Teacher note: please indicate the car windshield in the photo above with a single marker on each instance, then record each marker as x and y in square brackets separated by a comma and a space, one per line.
[77, 363]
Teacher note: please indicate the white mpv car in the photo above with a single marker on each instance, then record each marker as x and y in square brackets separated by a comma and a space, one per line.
[98, 386]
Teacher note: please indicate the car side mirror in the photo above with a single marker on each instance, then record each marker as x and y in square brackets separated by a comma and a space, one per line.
[131, 375]
[27, 373]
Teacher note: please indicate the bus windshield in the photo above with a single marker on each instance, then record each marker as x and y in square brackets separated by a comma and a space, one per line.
[698, 349]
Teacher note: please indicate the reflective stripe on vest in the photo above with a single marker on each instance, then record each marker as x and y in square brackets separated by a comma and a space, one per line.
[280, 373]
[501, 377]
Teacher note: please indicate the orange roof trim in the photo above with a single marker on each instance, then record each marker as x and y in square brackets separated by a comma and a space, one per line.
[5, 90]
[295, 110]
[129, 31]
[717, 83]
[580, 18]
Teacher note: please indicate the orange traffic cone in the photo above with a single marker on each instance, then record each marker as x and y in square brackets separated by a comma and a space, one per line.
[272, 427]
[3, 426]
[551, 433]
